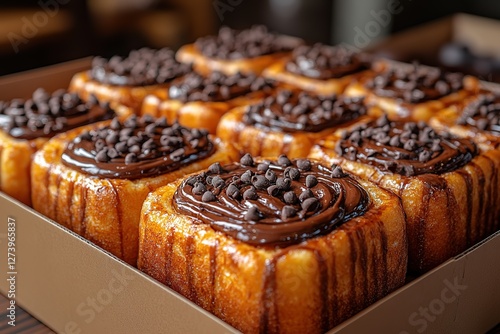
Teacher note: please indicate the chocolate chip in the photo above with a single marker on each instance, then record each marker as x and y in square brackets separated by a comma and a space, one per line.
[292, 173]
[424, 156]
[246, 160]
[284, 161]
[191, 180]
[262, 167]
[250, 194]
[273, 190]
[305, 195]
[253, 214]
[247, 176]
[218, 182]
[102, 156]
[311, 181]
[130, 158]
[337, 171]
[283, 183]
[287, 212]
[177, 154]
[290, 198]
[208, 196]
[304, 164]
[199, 188]
[260, 182]
[310, 204]
[215, 168]
[271, 175]
[232, 191]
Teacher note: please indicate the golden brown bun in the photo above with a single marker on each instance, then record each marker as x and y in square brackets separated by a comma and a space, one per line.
[278, 72]
[262, 142]
[15, 164]
[196, 114]
[305, 288]
[104, 211]
[189, 54]
[445, 213]
[117, 96]
[420, 111]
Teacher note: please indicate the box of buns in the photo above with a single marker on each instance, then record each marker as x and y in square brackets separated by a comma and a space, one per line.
[74, 286]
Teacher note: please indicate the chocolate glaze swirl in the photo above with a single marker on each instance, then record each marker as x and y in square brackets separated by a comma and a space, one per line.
[250, 43]
[142, 67]
[216, 87]
[274, 203]
[415, 84]
[325, 62]
[293, 111]
[483, 113]
[45, 115]
[405, 148]
[136, 148]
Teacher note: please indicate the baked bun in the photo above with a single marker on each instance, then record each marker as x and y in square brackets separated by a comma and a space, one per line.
[288, 122]
[232, 51]
[479, 120]
[412, 91]
[127, 81]
[200, 101]
[449, 189]
[94, 179]
[275, 246]
[320, 68]
[25, 125]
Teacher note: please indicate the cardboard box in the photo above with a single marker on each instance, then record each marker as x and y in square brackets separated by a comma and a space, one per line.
[423, 42]
[75, 287]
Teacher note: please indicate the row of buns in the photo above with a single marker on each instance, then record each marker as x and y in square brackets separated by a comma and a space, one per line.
[279, 185]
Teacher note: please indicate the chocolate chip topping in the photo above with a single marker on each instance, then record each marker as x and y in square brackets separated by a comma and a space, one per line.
[216, 87]
[137, 148]
[292, 111]
[405, 148]
[268, 207]
[250, 43]
[325, 62]
[483, 113]
[415, 84]
[45, 115]
[142, 67]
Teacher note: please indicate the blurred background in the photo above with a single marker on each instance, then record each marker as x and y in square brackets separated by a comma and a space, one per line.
[36, 33]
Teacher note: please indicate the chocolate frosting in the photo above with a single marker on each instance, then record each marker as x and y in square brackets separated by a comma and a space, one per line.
[293, 111]
[415, 84]
[250, 43]
[136, 148]
[216, 87]
[405, 148]
[325, 62]
[142, 67]
[272, 203]
[483, 113]
[45, 115]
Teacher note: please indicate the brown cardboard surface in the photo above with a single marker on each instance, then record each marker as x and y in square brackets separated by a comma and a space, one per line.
[75, 287]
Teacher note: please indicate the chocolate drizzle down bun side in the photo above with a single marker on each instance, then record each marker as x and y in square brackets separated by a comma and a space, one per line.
[291, 111]
[325, 62]
[45, 115]
[272, 203]
[405, 148]
[216, 87]
[143, 67]
[136, 148]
